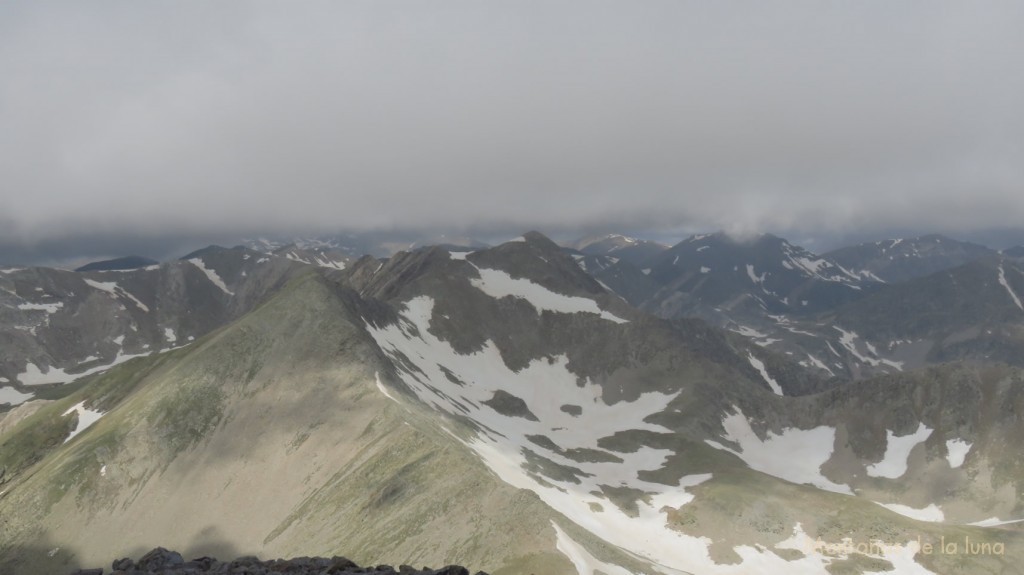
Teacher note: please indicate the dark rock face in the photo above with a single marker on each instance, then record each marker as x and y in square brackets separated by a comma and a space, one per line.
[164, 562]
[125, 263]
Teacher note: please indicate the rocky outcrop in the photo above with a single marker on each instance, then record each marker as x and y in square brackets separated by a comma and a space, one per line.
[164, 562]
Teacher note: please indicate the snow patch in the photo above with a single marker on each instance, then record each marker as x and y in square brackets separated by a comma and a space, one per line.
[115, 290]
[13, 396]
[169, 335]
[848, 339]
[900, 556]
[545, 384]
[704, 269]
[748, 332]
[931, 514]
[384, 390]
[458, 255]
[868, 275]
[819, 364]
[1009, 290]
[499, 284]
[795, 455]
[759, 366]
[956, 452]
[47, 307]
[211, 275]
[994, 522]
[894, 464]
[109, 287]
[33, 375]
[86, 417]
[758, 279]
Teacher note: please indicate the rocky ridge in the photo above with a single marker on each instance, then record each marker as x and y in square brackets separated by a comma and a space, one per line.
[166, 562]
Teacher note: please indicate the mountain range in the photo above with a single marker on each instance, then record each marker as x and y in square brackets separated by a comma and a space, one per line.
[722, 405]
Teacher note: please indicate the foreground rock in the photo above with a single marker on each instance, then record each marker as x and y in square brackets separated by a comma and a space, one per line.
[166, 562]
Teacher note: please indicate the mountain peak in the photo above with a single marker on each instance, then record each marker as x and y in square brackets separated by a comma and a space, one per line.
[117, 264]
[210, 249]
[535, 237]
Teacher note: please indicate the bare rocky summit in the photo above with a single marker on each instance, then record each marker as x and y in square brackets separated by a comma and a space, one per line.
[167, 562]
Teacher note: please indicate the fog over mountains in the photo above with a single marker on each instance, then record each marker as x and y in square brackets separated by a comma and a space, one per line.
[268, 285]
[722, 405]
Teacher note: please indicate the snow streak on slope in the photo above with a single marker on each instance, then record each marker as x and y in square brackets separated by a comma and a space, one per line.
[849, 341]
[748, 332]
[47, 307]
[759, 366]
[33, 375]
[316, 259]
[382, 389]
[758, 279]
[813, 266]
[499, 284]
[86, 417]
[819, 364]
[525, 444]
[1005, 284]
[995, 522]
[115, 290]
[796, 455]
[211, 274]
[931, 514]
[894, 464]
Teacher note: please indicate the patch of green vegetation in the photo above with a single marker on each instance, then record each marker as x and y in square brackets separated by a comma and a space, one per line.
[689, 458]
[56, 392]
[451, 376]
[112, 386]
[188, 414]
[573, 410]
[631, 440]
[509, 405]
[545, 442]
[543, 466]
[42, 432]
[303, 435]
[624, 498]
[33, 438]
[537, 564]
[858, 564]
[789, 554]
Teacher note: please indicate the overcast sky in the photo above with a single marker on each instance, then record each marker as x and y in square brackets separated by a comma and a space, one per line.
[804, 119]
